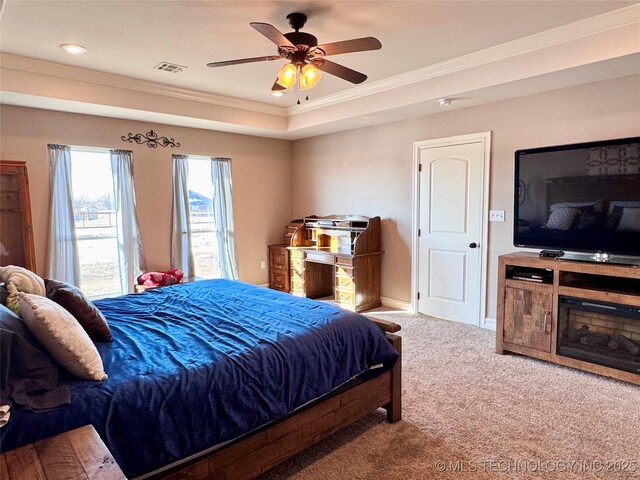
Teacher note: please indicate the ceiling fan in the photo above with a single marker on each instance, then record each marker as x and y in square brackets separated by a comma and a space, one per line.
[306, 57]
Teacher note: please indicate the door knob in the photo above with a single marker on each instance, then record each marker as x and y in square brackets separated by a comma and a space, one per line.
[473, 245]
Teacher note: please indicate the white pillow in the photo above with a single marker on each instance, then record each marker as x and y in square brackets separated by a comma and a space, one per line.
[20, 279]
[623, 203]
[597, 205]
[562, 218]
[630, 220]
[62, 336]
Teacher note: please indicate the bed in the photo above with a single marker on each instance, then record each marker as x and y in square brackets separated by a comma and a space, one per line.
[223, 379]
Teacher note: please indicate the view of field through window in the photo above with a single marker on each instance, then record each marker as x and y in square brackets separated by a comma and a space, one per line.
[96, 230]
[204, 243]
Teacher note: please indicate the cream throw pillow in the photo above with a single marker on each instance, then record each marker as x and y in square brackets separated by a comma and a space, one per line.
[62, 336]
[20, 279]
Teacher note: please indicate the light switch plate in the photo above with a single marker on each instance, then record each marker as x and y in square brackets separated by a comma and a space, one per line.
[496, 216]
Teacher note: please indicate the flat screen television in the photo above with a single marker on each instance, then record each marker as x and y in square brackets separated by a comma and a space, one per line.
[583, 197]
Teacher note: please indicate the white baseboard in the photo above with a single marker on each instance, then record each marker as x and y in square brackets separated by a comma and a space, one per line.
[489, 324]
[395, 303]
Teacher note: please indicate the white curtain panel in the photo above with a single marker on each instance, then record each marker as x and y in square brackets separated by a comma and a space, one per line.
[223, 216]
[62, 262]
[181, 254]
[130, 251]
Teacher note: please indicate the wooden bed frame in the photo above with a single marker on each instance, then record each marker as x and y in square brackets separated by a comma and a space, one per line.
[256, 453]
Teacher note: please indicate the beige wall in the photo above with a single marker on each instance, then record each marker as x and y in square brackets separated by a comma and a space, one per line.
[261, 171]
[368, 171]
[365, 171]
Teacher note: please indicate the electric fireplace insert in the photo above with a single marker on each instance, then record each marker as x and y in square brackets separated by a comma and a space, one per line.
[598, 332]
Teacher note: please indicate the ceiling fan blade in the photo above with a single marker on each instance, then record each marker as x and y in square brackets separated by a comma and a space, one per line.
[273, 34]
[339, 70]
[244, 60]
[277, 87]
[348, 46]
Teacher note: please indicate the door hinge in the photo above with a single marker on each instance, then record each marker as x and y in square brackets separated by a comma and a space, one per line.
[419, 167]
[419, 232]
[418, 295]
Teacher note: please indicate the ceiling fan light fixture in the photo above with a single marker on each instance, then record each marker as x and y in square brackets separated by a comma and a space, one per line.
[310, 76]
[287, 76]
[277, 93]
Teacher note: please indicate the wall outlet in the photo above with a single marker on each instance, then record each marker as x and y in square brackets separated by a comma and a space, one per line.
[263, 264]
[496, 216]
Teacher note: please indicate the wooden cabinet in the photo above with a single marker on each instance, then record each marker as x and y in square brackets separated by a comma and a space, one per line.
[575, 313]
[528, 316]
[279, 267]
[16, 229]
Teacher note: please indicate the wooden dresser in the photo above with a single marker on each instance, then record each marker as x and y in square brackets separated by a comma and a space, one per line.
[16, 230]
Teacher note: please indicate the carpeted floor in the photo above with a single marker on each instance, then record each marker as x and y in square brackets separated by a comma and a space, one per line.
[470, 413]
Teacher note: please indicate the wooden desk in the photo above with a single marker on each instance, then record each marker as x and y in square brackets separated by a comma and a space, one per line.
[78, 454]
[337, 256]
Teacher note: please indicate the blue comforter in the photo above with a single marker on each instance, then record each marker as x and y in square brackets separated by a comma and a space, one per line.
[198, 364]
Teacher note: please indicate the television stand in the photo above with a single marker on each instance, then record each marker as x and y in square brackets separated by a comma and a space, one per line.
[579, 314]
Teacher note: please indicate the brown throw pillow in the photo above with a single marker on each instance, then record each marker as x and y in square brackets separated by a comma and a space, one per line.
[77, 304]
[62, 336]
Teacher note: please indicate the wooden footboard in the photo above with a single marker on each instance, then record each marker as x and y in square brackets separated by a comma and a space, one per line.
[257, 453]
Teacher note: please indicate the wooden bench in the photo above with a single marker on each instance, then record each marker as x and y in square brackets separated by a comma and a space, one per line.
[79, 454]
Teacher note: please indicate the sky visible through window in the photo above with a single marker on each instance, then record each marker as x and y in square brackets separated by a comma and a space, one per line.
[91, 174]
[200, 176]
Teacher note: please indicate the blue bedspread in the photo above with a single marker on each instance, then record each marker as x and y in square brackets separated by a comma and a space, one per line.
[197, 364]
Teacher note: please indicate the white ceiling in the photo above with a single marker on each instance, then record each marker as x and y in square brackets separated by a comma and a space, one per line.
[421, 40]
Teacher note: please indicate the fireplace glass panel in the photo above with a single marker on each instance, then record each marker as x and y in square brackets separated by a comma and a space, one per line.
[603, 333]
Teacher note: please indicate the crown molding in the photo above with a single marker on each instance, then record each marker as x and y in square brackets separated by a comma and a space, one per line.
[67, 72]
[549, 38]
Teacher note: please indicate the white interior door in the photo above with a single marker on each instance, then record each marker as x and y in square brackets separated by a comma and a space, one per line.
[450, 221]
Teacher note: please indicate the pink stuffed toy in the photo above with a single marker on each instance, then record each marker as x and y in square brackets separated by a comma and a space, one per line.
[159, 279]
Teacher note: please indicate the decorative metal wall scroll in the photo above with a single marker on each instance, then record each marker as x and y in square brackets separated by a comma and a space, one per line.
[151, 139]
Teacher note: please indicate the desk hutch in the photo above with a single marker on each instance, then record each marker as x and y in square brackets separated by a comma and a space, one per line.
[335, 256]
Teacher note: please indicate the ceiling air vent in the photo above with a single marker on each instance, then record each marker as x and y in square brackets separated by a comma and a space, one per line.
[169, 67]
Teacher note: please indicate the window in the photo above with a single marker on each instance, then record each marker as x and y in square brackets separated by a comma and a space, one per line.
[96, 222]
[204, 241]
[94, 238]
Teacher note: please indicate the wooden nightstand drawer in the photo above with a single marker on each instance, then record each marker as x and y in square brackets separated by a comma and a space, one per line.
[278, 280]
[77, 454]
[279, 259]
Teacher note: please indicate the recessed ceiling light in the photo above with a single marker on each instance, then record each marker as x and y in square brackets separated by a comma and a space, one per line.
[277, 93]
[444, 102]
[73, 49]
